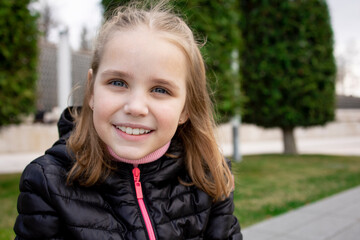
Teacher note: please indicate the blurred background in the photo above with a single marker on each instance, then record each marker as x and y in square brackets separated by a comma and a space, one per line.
[57, 55]
[284, 77]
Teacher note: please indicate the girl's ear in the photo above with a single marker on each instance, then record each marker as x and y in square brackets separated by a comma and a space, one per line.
[89, 79]
[183, 117]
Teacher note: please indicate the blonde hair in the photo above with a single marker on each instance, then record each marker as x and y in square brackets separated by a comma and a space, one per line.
[205, 164]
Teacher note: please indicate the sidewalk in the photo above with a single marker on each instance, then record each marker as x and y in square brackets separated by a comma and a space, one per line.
[16, 162]
[333, 218]
[344, 145]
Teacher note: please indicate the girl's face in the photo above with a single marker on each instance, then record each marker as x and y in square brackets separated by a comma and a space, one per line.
[139, 92]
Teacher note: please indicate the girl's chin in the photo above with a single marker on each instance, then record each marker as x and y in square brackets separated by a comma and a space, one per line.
[128, 156]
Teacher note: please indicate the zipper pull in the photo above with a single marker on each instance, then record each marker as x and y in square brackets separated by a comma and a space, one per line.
[139, 195]
[138, 189]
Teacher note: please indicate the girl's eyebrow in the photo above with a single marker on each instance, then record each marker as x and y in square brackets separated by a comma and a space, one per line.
[116, 73]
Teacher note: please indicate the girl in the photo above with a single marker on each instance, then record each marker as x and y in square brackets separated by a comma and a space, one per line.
[139, 160]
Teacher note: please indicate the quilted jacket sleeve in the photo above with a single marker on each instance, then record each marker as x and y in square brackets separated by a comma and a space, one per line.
[222, 223]
[37, 219]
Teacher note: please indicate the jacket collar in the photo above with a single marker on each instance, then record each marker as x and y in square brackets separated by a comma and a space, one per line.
[170, 163]
[66, 121]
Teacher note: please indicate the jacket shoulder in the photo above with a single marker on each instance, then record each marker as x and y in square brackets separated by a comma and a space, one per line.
[37, 217]
[35, 177]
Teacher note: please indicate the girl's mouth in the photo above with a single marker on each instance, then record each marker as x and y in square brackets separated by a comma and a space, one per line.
[133, 131]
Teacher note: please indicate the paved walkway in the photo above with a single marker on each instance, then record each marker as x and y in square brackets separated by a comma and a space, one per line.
[333, 218]
[16, 162]
[343, 145]
[350, 145]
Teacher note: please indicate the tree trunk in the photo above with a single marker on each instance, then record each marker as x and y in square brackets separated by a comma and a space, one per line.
[289, 141]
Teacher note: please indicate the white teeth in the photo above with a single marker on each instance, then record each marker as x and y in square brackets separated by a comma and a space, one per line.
[133, 131]
[136, 131]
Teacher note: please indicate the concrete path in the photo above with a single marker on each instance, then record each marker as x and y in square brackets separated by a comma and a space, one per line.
[16, 162]
[343, 145]
[333, 218]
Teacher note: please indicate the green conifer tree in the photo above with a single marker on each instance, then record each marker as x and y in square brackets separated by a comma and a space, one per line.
[18, 60]
[287, 65]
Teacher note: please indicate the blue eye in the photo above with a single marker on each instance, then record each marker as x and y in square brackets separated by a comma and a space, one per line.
[118, 83]
[160, 90]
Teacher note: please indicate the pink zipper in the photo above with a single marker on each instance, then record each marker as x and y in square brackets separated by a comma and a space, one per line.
[139, 195]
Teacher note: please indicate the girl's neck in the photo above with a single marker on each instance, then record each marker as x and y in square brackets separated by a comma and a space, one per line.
[151, 157]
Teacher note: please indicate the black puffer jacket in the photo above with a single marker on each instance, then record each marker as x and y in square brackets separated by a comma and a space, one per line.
[49, 209]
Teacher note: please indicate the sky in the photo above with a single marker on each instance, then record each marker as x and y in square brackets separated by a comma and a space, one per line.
[345, 19]
[345, 16]
[73, 15]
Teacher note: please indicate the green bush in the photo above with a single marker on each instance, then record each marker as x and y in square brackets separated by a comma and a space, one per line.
[18, 58]
[288, 66]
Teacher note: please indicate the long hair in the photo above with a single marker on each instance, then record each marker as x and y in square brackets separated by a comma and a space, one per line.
[205, 164]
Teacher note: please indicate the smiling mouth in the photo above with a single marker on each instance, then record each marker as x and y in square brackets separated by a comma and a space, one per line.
[133, 131]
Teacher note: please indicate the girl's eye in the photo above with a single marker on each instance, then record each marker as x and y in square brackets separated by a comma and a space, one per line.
[118, 83]
[160, 90]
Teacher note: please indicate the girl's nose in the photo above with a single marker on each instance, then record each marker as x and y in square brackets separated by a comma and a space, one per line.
[136, 105]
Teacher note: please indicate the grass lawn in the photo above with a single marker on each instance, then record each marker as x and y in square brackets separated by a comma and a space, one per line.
[9, 191]
[266, 185]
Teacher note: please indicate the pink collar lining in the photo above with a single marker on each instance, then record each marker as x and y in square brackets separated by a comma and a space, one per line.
[151, 157]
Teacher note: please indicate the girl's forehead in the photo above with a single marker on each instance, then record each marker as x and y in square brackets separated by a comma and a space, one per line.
[143, 31]
[141, 49]
[142, 40]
